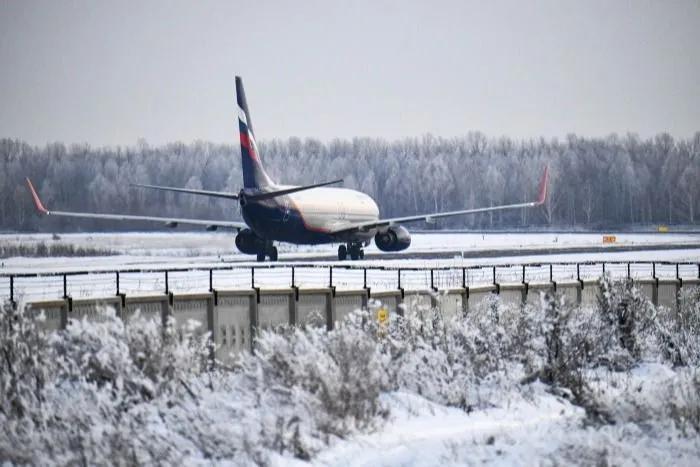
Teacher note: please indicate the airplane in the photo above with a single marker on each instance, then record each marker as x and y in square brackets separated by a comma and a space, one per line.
[310, 214]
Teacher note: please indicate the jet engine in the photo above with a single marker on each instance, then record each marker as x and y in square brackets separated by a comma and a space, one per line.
[393, 239]
[249, 243]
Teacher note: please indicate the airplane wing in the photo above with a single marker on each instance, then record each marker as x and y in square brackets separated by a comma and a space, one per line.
[365, 226]
[168, 221]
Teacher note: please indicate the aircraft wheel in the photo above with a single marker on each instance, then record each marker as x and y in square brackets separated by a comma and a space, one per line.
[273, 253]
[261, 257]
[362, 253]
[354, 252]
[342, 253]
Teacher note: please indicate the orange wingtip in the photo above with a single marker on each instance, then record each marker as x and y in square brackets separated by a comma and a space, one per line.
[543, 187]
[37, 202]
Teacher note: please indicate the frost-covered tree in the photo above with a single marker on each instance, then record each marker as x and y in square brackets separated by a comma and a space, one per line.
[595, 181]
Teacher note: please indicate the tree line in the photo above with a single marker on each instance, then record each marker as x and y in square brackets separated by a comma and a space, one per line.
[594, 182]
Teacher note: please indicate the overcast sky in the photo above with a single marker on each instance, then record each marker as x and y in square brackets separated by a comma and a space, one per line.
[107, 72]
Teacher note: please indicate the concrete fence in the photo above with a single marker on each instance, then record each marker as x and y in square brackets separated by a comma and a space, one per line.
[232, 316]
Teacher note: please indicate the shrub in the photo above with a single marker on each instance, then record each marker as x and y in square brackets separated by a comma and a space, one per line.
[679, 331]
[629, 322]
[24, 361]
[344, 369]
[43, 250]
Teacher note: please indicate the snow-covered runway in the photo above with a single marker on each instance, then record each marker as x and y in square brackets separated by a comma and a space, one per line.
[195, 254]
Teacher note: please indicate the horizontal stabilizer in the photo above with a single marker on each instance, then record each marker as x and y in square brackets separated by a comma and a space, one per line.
[287, 191]
[216, 194]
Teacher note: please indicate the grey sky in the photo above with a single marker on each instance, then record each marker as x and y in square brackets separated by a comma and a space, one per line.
[109, 72]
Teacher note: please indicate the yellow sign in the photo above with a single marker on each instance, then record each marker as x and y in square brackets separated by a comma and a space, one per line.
[609, 239]
[663, 228]
[383, 321]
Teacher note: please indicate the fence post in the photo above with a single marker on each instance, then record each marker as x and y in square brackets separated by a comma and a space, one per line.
[117, 273]
[398, 272]
[655, 286]
[526, 289]
[252, 277]
[330, 276]
[12, 289]
[211, 280]
[432, 280]
[211, 306]
[679, 286]
[293, 283]
[167, 288]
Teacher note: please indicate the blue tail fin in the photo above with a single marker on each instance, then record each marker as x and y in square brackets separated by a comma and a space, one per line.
[254, 175]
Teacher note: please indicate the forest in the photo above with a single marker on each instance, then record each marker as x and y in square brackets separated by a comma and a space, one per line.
[595, 183]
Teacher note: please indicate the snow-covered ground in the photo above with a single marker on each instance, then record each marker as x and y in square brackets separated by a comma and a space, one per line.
[220, 245]
[425, 395]
[189, 251]
[434, 391]
[526, 427]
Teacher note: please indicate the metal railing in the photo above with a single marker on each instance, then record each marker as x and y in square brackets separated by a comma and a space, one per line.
[144, 281]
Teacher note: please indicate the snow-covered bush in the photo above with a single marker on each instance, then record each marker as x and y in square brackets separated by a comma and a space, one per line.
[343, 369]
[629, 323]
[453, 359]
[569, 336]
[24, 361]
[77, 395]
[683, 402]
[141, 358]
[679, 330]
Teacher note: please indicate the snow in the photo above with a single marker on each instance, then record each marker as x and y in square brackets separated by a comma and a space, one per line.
[169, 247]
[535, 428]
[312, 379]
[424, 433]
[189, 251]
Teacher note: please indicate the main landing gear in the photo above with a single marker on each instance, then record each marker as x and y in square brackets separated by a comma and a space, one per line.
[268, 250]
[354, 249]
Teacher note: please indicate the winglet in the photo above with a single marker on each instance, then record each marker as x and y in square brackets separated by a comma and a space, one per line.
[543, 187]
[37, 202]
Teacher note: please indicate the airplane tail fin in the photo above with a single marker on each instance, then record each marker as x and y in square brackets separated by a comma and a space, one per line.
[254, 176]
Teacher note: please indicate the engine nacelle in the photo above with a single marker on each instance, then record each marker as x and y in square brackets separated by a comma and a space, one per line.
[394, 239]
[249, 243]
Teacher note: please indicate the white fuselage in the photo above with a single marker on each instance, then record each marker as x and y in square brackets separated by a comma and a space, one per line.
[329, 208]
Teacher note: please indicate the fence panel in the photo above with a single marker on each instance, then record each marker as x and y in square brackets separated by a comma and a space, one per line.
[84, 284]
